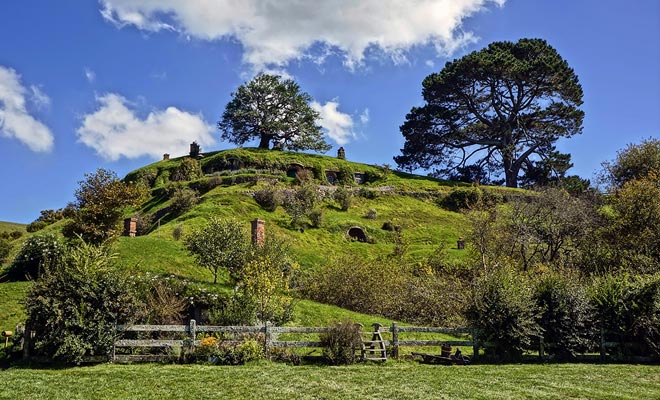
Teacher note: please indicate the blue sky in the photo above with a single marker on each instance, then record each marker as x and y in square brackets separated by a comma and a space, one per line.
[116, 83]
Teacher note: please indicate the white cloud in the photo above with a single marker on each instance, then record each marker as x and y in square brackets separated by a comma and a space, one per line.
[338, 125]
[275, 32]
[114, 130]
[430, 63]
[90, 75]
[15, 120]
[364, 117]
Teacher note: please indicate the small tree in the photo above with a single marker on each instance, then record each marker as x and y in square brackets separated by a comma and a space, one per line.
[272, 110]
[99, 206]
[219, 244]
[76, 304]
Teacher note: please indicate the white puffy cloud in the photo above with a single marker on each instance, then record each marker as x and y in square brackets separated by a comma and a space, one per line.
[337, 125]
[114, 130]
[15, 119]
[90, 75]
[364, 117]
[274, 32]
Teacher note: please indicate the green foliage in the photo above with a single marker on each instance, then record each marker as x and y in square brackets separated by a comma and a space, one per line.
[189, 169]
[341, 342]
[5, 249]
[76, 303]
[300, 202]
[509, 101]
[565, 314]
[636, 161]
[371, 214]
[462, 198]
[37, 252]
[99, 207]
[143, 223]
[628, 309]
[272, 109]
[265, 278]
[502, 311]
[220, 352]
[316, 217]
[36, 226]
[183, 199]
[219, 244]
[269, 198]
[346, 176]
[177, 232]
[344, 198]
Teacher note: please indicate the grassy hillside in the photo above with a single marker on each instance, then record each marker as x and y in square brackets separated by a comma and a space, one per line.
[230, 179]
[12, 226]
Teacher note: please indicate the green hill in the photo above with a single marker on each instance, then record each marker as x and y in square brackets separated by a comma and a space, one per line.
[12, 226]
[227, 186]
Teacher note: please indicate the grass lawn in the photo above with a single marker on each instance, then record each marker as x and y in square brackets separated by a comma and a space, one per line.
[394, 380]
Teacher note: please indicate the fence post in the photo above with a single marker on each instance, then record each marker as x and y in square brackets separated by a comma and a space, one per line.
[193, 335]
[267, 339]
[541, 348]
[27, 341]
[475, 345]
[114, 339]
[602, 343]
[395, 340]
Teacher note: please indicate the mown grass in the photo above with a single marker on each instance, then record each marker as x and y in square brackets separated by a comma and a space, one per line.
[12, 312]
[394, 380]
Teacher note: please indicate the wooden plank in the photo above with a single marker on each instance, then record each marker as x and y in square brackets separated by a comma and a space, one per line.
[295, 344]
[147, 343]
[144, 358]
[295, 329]
[434, 343]
[153, 328]
[230, 329]
[428, 329]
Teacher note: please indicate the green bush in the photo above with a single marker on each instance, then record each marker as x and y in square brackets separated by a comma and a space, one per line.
[36, 226]
[37, 252]
[300, 202]
[628, 310]
[269, 198]
[565, 315]
[344, 198]
[502, 311]
[188, 170]
[341, 342]
[316, 217]
[368, 193]
[461, 198]
[177, 232]
[76, 303]
[345, 176]
[222, 352]
[183, 199]
[372, 214]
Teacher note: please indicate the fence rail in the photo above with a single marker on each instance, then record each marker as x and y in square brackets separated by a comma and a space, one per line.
[271, 337]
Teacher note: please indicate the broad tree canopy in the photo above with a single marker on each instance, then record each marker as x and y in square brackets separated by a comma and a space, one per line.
[272, 110]
[501, 106]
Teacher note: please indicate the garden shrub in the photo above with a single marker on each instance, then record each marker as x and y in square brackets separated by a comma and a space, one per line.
[368, 193]
[300, 202]
[269, 198]
[221, 352]
[462, 198]
[371, 214]
[37, 252]
[76, 303]
[143, 223]
[183, 199]
[502, 311]
[344, 198]
[188, 170]
[341, 342]
[177, 232]
[564, 315]
[628, 310]
[36, 226]
[316, 217]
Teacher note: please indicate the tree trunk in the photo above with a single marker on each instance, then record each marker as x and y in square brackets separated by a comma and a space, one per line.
[510, 171]
[265, 142]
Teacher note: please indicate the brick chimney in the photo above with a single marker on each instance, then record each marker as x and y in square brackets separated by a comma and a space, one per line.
[258, 231]
[130, 227]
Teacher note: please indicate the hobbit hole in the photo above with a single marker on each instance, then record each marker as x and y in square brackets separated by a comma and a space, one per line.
[356, 233]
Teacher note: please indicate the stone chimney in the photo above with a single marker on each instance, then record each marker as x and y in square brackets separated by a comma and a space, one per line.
[258, 231]
[166, 157]
[195, 150]
[130, 227]
[341, 153]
